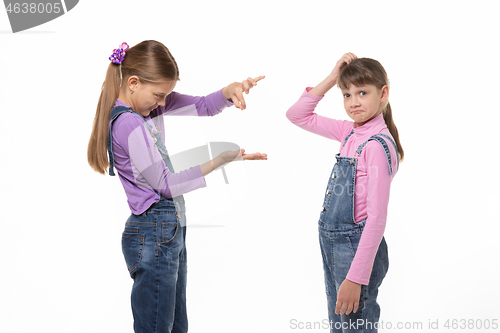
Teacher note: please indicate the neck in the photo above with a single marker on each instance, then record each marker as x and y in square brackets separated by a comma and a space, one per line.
[126, 98]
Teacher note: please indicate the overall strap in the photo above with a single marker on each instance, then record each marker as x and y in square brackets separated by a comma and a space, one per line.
[347, 138]
[115, 113]
[379, 139]
[393, 144]
[118, 110]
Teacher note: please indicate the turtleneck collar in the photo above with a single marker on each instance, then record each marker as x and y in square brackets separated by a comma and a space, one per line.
[371, 127]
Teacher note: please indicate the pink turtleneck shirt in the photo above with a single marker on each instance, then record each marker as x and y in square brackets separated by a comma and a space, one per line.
[373, 179]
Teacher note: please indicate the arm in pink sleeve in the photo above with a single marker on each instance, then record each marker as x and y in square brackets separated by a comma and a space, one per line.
[184, 105]
[148, 167]
[378, 188]
[302, 114]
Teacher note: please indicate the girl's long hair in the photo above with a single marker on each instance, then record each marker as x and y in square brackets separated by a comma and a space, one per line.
[363, 71]
[149, 60]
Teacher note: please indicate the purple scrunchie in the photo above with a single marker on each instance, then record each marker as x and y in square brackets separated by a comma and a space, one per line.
[119, 53]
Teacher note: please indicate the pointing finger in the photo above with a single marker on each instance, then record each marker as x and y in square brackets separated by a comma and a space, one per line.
[258, 78]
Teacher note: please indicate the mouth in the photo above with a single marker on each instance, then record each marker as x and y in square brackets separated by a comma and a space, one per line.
[356, 111]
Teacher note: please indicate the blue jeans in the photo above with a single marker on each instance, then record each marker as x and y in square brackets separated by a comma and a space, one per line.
[154, 248]
[338, 252]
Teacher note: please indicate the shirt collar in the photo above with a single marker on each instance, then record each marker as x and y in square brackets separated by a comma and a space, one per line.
[372, 126]
[120, 103]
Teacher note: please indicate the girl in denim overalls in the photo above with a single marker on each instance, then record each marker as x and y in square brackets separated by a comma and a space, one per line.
[354, 211]
[129, 130]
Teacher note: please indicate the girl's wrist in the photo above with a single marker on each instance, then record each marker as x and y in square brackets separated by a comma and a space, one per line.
[324, 86]
[225, 92]
[333, 80]
[211, 165]
[219, 161]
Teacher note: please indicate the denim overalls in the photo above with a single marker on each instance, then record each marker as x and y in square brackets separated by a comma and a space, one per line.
[339, 237]
[153, 245]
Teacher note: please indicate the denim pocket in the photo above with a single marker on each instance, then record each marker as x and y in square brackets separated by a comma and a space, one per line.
[169, 227]
[132, 246]
[353, 242]
[169, 232]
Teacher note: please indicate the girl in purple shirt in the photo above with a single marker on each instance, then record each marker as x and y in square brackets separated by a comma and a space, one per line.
[128, 134]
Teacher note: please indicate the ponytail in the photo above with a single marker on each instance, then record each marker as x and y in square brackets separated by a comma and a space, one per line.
[393, 129]
[98, 144]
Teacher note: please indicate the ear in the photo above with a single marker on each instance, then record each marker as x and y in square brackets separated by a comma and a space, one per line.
[133, 81]
[384, 94]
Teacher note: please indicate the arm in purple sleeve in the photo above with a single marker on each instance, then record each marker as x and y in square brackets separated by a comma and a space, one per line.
[184, 105]
[148, 167]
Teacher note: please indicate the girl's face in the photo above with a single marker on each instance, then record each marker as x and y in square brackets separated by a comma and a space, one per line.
[364, 103]
[148, 96]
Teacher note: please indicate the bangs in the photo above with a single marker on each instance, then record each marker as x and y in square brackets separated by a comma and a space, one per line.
[360, 72]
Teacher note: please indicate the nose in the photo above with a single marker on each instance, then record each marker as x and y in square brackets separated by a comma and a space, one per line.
[161, 102]
[354, 101]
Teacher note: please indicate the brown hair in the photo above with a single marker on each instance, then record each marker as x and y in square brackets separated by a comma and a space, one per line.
[363, 71]
[151, 62]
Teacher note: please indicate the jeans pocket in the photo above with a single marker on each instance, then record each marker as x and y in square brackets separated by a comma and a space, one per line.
[169, 227]
[353, 242]
[132, 246]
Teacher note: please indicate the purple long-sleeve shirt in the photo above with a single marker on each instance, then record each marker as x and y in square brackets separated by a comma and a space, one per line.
[137, 160]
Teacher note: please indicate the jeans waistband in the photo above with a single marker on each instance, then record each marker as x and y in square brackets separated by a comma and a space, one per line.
[162, 204]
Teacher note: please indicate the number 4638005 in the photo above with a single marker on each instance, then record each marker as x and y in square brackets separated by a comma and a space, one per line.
[32, 8]
[471, 324]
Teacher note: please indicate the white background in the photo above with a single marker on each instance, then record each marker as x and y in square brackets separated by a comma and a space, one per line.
[254, 258]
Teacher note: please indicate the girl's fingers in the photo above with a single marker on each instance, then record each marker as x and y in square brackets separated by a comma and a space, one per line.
[247, 85]
[349, 308]
[348, 57]
[338, 307]
[255, 156]
[352, 56]
[258, 78]
[252, 82]
[259, 156]
[236, 101]
[239, 95]
[343, 308]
